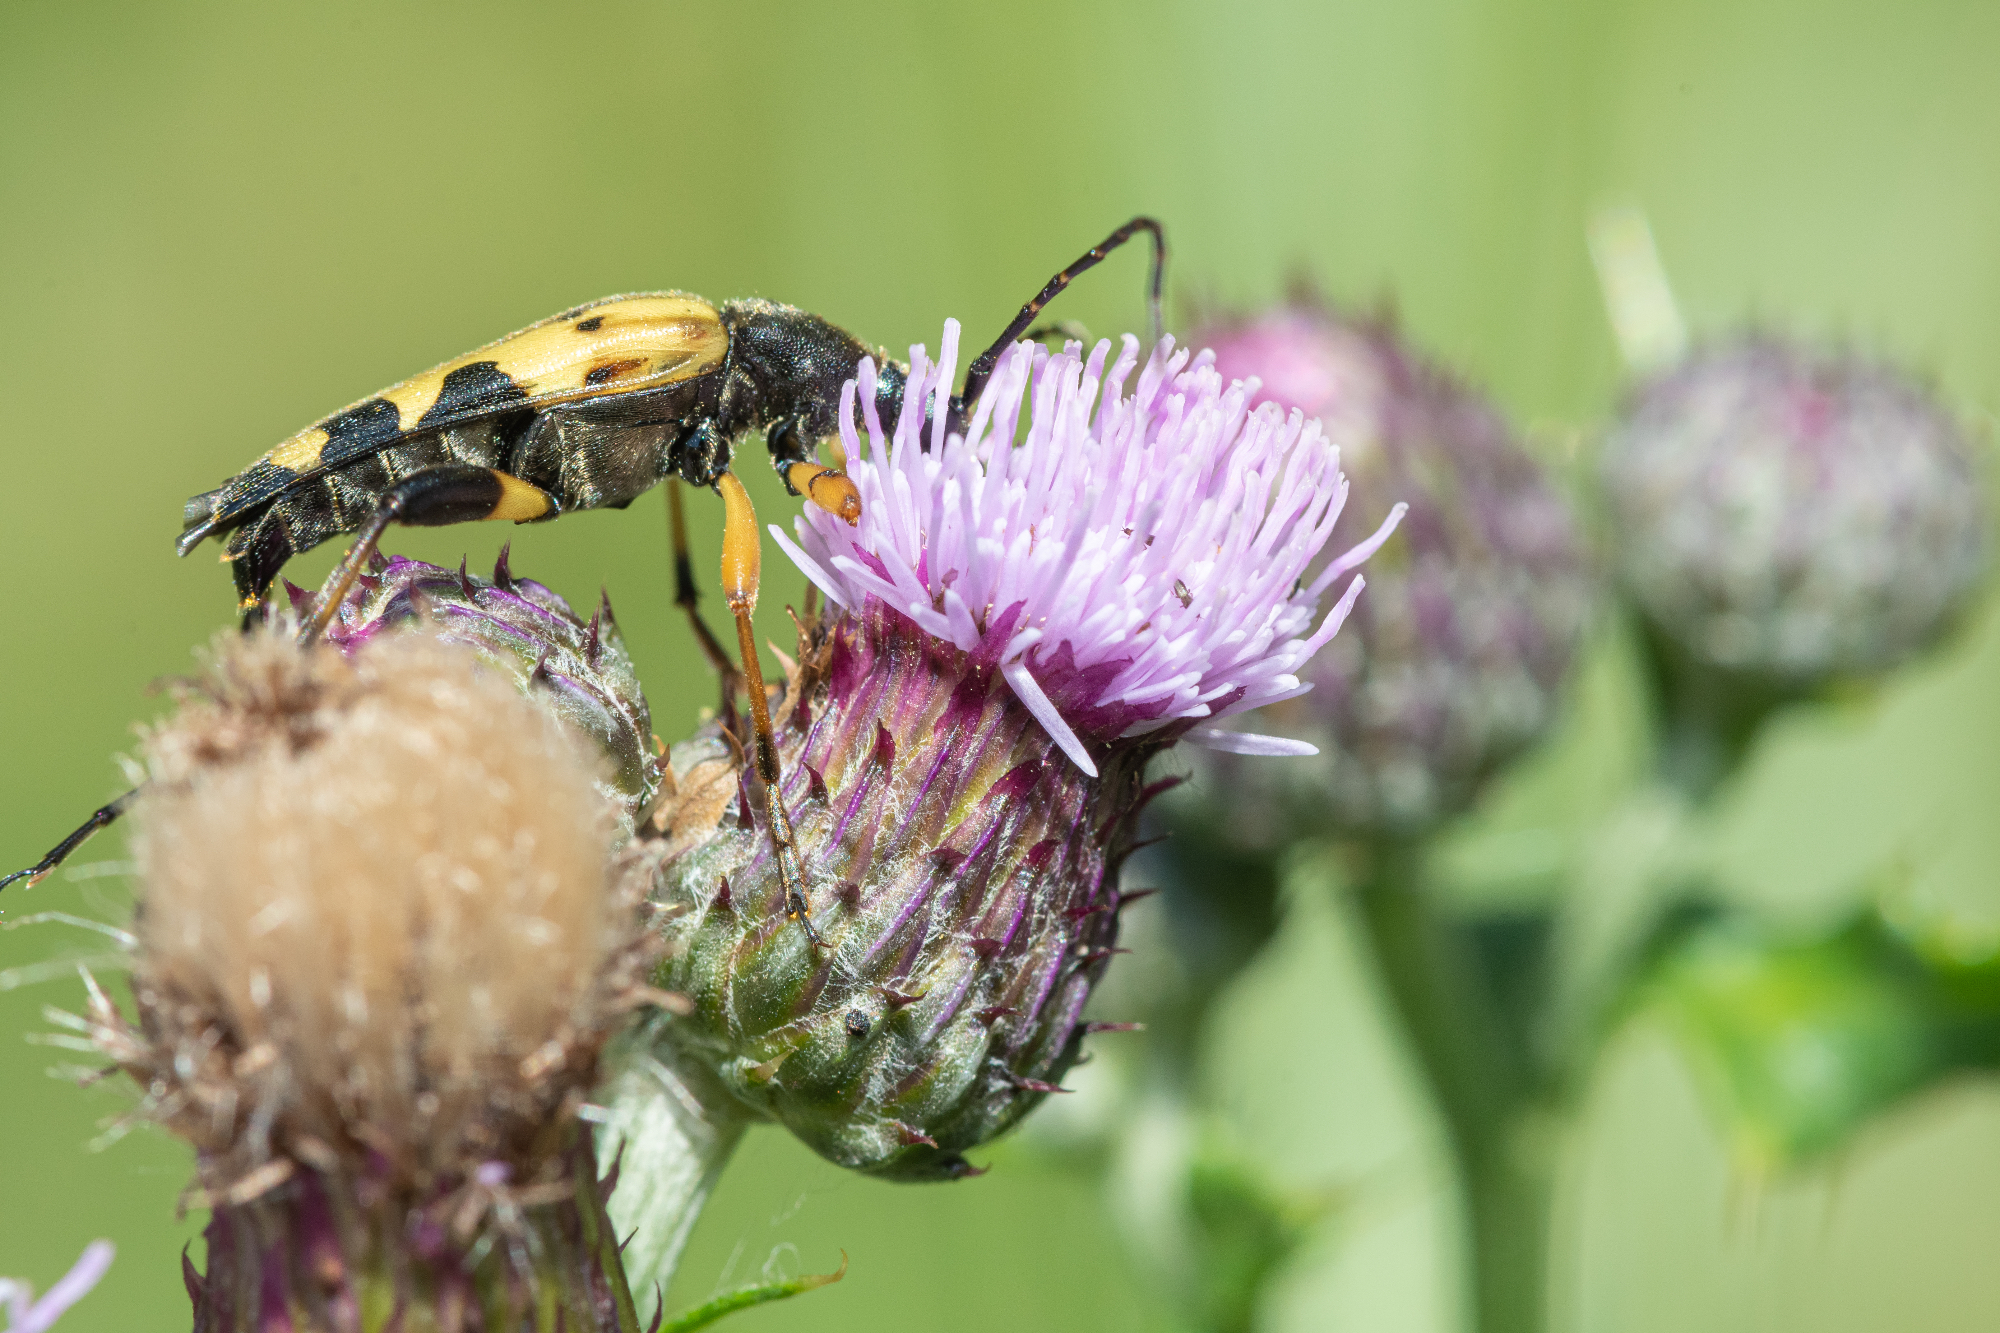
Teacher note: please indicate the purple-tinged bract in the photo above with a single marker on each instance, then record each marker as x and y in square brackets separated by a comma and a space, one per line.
[1022, 618]
[578, 670]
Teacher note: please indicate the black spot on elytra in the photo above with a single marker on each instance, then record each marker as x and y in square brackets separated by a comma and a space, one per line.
[610, 371]
[591, 325]
[472, 391]
[360, 430]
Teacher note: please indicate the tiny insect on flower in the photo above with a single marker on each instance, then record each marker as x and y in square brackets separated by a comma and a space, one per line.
[1024, 616]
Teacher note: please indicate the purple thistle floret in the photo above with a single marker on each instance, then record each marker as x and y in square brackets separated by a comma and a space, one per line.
[1017, 629]
[1139, 567]
[25, 1314]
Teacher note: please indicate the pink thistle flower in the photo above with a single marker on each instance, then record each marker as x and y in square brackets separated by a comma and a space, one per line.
[1023, 617]
[1136, 562]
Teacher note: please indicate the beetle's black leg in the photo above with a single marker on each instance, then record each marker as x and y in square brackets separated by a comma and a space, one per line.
[981, 369]
[688, 599]
[742, 551]
[39, 871]
[435, 497]
[1066, 329]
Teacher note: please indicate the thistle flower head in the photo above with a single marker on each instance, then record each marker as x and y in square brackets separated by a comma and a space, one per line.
[1792, 514]
[1016, 628]
[1454, 660]
[379, 945]
[1135, 565]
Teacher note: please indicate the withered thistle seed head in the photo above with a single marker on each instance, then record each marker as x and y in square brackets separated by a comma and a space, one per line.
[577, 669]
[1454, 661]
[379, 945]
[1016, 629]
[1794, 514]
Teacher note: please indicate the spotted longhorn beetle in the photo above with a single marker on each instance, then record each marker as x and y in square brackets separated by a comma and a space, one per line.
[586, 410]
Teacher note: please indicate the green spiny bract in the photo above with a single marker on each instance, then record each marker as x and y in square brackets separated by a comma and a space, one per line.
[965, 888]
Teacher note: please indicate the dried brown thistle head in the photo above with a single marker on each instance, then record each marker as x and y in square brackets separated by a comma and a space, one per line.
[381, 935]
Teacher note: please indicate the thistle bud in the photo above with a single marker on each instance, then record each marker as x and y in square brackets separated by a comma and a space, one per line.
[1455, 659]
[1014, 630]
[578, 670]
[1793, 515]
[380, 943]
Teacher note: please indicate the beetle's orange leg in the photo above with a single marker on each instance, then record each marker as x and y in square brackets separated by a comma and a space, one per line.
[742, 556]
[827, 487]
[687, 598]
[435, 497]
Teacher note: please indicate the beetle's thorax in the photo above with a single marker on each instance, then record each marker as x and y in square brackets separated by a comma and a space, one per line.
[787, 364]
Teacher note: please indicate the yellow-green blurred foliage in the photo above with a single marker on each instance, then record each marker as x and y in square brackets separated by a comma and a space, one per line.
[222, 221]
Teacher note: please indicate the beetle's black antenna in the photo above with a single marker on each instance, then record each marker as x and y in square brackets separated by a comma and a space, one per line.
[104, 816]
[981, 369]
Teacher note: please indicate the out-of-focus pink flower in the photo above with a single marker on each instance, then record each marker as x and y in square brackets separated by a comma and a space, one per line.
[1454, 661]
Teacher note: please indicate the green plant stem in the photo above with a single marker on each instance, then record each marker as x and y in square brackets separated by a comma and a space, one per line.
[670, 1137]
[600, 1243]
[1480, 1081]
[1706, 718]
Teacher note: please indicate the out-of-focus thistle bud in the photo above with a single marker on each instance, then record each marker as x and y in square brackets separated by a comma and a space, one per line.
[1793, 515]
[379, 946]
[1454, 660]
[577, 669]
[1014, 630]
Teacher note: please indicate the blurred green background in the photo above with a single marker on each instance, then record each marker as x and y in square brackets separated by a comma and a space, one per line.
[223, 221]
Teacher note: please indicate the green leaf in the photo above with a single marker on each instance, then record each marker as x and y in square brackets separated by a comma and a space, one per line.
[1243, 1230]
[1800, 1043]
[730, 1302]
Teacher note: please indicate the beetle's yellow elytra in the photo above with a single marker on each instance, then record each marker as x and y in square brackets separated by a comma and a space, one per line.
[615, 345]
[301, 452]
